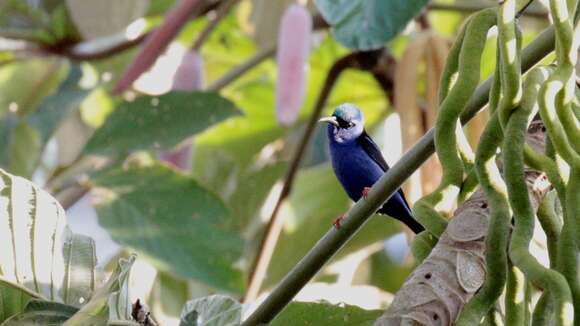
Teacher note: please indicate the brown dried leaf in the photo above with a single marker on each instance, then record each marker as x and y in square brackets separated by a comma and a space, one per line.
[405, 98]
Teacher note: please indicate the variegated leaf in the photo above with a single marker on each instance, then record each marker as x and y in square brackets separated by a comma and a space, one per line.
[39, 256]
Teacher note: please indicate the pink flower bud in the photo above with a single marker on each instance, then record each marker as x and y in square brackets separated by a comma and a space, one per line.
[292, 57]
[189, 75]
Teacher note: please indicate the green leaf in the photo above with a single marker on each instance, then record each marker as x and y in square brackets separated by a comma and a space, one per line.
[109, 302]
[12, 300]
[24, 84]
[79, 253]
[254, 187]
[7, 125]
[42, 313]
[368, 24]
[160, 122]
[321, 314]
[38, 261]
[168, 295]
[55, 108]
[215, 310]
[24, 150]
[24, 133]
[170, 219]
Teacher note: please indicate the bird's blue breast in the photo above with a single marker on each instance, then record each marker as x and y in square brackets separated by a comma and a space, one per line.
[354, 168]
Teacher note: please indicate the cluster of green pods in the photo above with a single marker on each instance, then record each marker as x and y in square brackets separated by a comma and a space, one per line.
[505, 167]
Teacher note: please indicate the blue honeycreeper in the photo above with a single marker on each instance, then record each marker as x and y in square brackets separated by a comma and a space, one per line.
[358, 162]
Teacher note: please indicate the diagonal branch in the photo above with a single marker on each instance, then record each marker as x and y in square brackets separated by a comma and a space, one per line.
[241, 69]
[222, 11]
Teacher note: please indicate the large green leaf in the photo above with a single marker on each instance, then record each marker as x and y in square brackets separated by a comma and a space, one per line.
[24, 84]
[161, 122]
[215, 310]
[170, 219]
[39, 257]
[321, 314]
[368, 24]
[24, 134]
[42, 313]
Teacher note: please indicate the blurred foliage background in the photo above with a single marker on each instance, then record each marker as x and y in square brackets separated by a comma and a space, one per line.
[196, 216]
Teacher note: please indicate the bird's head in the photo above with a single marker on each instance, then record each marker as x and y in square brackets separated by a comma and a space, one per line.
[345, 124]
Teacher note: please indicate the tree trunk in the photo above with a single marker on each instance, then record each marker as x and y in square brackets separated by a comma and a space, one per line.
[447, 279]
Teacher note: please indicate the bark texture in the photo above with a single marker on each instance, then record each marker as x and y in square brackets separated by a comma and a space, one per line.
[437, 290]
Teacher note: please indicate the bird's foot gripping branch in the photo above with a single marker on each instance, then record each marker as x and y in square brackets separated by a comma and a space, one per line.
[471, 256]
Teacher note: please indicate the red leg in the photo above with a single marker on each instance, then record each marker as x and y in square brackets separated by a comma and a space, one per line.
[337, 222]
[365, 192]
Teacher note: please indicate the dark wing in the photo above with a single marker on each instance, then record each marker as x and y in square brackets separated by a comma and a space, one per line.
[372, 150]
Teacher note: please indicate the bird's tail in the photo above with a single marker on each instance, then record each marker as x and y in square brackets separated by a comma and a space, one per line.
[411, 223]
[398, 208]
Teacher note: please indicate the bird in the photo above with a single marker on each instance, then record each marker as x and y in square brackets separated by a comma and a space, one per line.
[358, 163]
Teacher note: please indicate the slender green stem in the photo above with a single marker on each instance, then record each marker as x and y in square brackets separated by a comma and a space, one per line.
[567, 245]
[450, 141]
[560, 89]
[515, 300]
[498, 231]
[513, 151]
[493, 318]
[544, 311]
[449, 74]
[509, 43]
[468, 187]
[551, 224]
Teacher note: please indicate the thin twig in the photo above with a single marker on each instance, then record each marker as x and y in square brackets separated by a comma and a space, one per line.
[71, 195]
[273, 228]
[334, 239]
[222, 11]
[90, 51]
[241, 69]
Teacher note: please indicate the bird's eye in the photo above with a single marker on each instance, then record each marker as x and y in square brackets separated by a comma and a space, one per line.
[344, 124]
